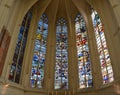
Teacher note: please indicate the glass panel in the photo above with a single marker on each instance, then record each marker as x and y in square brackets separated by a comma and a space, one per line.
[38, 62]
[16, 66]
[105, 62]
[61, 66]
[84, 64]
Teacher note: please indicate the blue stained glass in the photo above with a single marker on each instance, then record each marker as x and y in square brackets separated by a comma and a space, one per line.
[38, 62]
[61, 66]
[16, 67]
[84, 64]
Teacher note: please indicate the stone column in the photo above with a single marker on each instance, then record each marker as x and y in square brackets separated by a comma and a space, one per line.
[116, 8]
[72, 50]
[50, 56]
[115, 34]
[51, 46]
[72, 57]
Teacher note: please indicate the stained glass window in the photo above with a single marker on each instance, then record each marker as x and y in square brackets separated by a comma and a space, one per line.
[61, 66]
[38, 62]
[105, 62]
[84, 64]
[16, 66]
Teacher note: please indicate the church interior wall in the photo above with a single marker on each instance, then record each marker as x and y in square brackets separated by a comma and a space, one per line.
[11, 18]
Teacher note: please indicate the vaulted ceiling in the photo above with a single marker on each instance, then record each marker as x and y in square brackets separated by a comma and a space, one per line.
[65, 8]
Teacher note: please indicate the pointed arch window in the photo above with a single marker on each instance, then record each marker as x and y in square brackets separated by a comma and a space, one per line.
[105, 62]
[84, 64]
[38, 62]
[61, 65]
[16, 67]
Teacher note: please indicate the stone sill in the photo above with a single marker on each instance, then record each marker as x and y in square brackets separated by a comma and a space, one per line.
[22, 88]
